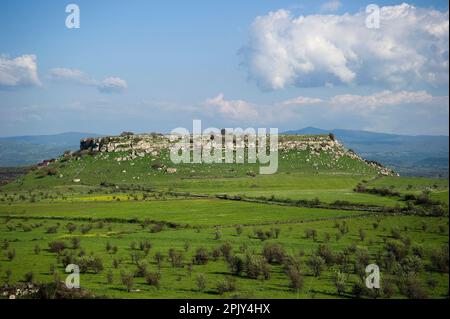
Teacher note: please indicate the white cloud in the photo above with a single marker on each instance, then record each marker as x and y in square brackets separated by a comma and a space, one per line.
[107, 85]
[232, 109]
[409, 48]
[71, 75]
[112, 84]
[302, 100]
[385, 98]
[332, 5]
[18, 72]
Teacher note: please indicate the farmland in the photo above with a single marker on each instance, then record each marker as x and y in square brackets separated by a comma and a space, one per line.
[221, 231]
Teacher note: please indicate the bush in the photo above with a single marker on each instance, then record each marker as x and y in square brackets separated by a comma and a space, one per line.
[145, 245]
[127, 280]
[37, 249]
[296, 279]
[90, 263]
[316, 264]
[71, 227]
[52, 230]
[362, 234]
[226, 285]
[340, 281]
[86, 229]
[201, 256]
[226, 250]
[411, 288]
[388, 288]
[237, 264]
[412, 264]
[215, 254]
[153, 278]
[56, 246]
[29, 276]
[395, 233]
[256, 266]
[109, 277]
[175, 258]
[141, 270]
[274, 253]
[397, 249]
[158, 259]
[325, 252]
[417, 250]
[362, 256]
[440, 259]
[311, 233]
[75, 242]
[201, 282]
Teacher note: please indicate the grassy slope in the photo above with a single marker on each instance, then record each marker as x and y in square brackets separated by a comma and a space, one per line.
[297, 178]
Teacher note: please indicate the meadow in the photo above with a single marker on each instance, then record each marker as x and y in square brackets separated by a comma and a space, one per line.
[224, 232]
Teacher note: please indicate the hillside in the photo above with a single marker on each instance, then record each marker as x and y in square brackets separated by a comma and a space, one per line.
[419, 155]
[119, 208]
[144, 159]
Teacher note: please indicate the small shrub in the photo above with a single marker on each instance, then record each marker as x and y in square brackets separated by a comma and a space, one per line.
[75, 242]
[201, 256]
[316, 264]
[296, 279]
[11, 254]
[37, 249]
[71, 227]
[226, 285]
[109, 277]
[201, 282]
[340, 281]
[52, 230]
[153, 279]
[127, 280]
[274, 253]
[29, 276]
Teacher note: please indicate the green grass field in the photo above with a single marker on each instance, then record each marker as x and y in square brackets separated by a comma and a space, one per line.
[141, 211]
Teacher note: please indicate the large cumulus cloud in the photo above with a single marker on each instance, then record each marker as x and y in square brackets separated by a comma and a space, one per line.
[18, 72]
[410, 48]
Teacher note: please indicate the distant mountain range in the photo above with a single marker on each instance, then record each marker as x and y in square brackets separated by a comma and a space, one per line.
[420, 155]
[28, 150]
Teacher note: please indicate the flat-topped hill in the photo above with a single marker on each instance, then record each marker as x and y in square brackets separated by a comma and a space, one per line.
[145, 159]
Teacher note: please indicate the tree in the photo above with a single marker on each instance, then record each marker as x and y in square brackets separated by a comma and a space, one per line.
[201, 282]
[71, 227]
[362, 234]
[127, 280]
[339, 281]
[316, 264]
[226, 285]
[325, 252]
[201, 256]
[159, 259]
[296, 278]
[29, 276]
[37, 249]
[153, 279]
[11, 254]
[109, 277]
[75, 242]
[274, 253]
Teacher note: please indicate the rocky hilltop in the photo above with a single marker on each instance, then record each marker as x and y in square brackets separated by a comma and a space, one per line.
[140, 145]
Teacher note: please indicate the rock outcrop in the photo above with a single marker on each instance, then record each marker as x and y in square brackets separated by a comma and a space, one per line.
[152, 144]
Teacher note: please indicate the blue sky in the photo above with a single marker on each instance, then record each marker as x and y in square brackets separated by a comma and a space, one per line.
[155, 65]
